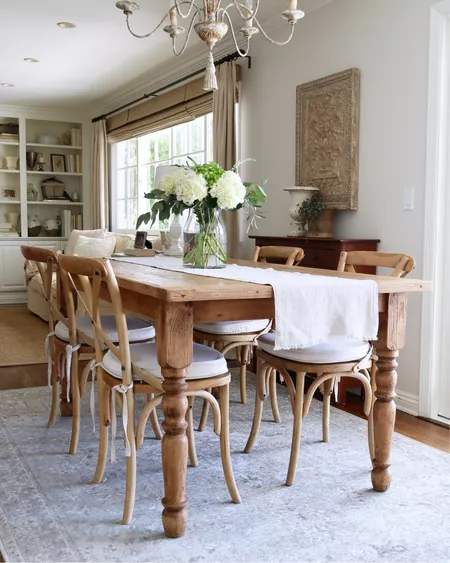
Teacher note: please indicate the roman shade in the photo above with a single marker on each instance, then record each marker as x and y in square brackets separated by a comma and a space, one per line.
[172, 108]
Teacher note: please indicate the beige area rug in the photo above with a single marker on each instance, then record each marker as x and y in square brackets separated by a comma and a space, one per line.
[22, 337]
[50, 512]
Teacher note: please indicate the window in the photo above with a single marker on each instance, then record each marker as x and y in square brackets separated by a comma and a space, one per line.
[133, 165]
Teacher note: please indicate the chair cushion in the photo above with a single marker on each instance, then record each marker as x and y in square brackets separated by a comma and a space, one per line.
[206, 362]
[334, 351]
[138, 329]
[233, 327]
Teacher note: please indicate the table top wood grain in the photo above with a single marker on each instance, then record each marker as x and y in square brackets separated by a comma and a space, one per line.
[173, 286]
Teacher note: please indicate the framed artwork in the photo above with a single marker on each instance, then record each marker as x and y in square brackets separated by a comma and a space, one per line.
[58, 163]
[7, 193]
[140, 240]
[328, 138]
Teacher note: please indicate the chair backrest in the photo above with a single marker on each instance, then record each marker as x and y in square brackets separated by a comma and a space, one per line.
[46, 261]
[87, 278]
[401, 264]
[278, 254]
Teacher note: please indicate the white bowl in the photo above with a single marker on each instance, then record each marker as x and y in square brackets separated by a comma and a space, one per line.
[47, 140]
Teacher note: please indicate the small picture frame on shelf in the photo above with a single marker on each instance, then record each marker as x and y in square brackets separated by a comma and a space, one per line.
[140, 240]
[58, 163]
[8, 194]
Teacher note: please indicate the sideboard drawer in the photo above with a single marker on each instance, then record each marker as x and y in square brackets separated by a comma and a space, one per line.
[326, 259]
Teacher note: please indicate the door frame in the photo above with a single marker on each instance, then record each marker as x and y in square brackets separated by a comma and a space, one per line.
[437, 178]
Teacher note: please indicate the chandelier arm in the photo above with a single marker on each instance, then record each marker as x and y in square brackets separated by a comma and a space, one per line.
[239, 7]
[279, 43]
[191, 6]
[187, 37]
[147, 34]
[241, 53]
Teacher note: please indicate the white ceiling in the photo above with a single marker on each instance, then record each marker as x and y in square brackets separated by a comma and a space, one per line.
[96, 60]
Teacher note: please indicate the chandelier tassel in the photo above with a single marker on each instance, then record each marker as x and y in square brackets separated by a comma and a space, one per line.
[210, 75]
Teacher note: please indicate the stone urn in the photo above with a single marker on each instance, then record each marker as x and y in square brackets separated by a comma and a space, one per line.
[298, 195]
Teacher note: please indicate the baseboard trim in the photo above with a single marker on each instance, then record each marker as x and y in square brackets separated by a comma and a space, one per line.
[406, 402]
[16, 298]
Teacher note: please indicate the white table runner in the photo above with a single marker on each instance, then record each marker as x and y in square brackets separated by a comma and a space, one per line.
[308, 308]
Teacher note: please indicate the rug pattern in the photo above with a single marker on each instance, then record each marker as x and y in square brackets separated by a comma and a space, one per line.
[49, 511]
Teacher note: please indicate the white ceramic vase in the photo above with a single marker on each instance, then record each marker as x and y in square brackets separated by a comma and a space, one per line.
[299, 194]
[175, 242]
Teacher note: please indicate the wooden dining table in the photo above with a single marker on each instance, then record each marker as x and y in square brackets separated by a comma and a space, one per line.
[177, 300]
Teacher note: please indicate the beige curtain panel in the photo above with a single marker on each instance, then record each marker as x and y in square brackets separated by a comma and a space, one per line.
[100, 176]
[172, 108]
[224, 135]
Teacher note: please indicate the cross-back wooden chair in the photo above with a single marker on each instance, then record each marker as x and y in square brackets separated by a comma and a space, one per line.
[70, 340]
[401, 264]
[46, 261]
[128, 369]
[338, 358]
[281, 254]
[243, 335]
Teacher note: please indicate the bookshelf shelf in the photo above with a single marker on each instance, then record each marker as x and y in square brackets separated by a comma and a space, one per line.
[59, 203]
[4, 171]
[59, 147]
[10, 143]
[9, 202]
[51, 174]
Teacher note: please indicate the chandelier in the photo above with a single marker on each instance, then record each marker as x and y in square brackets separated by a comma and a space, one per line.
[211, 23]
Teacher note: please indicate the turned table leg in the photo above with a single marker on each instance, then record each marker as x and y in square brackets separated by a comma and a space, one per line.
[384, 417]
[391, 338]
[174, 345]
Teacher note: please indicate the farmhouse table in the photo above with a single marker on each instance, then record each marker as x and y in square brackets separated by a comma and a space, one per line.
[177, 300]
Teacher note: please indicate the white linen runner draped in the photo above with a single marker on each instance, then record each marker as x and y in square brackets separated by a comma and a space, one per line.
[308, 308]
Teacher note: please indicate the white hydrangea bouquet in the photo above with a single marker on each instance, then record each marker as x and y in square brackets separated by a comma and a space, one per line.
[205, 189]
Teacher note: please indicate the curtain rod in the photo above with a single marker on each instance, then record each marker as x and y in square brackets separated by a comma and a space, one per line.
[226, 59]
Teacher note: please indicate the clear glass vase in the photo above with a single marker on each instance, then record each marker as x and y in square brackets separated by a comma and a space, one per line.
[205, 239]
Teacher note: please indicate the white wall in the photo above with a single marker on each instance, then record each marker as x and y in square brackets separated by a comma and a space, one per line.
[388, 41]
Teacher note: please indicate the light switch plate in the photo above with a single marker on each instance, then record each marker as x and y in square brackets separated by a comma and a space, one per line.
[408, 199]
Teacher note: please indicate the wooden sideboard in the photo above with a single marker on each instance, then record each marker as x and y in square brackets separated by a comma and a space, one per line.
[321, 252]
[324, 253]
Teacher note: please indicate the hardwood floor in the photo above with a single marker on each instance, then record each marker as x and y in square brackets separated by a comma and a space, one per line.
[418, 429]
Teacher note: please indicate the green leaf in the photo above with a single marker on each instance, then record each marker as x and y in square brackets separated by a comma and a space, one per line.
[145, 218]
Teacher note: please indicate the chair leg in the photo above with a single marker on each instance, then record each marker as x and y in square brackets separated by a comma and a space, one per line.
[328, 387]
[75, 385]
[154, 419]
[243, 374]
[55, 390]
[104, 400]
[224, 398]
[204, 416]
[371, 428]
[297, 430]
[257, 416]
[273, 396]
[190, 433]
[130, 491]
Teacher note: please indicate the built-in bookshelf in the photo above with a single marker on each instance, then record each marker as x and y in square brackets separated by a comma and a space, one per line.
[58, 162]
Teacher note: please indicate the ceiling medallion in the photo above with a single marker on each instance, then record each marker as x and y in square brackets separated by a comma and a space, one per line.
[211, 23]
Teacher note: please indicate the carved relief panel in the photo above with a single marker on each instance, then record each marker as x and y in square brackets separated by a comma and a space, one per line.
[328, 138]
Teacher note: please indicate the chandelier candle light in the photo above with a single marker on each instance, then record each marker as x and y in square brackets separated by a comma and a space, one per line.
[211, 22]
[206, 190]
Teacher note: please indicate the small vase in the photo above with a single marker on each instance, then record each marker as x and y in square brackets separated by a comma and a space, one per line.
[205, 240]
[175, 238]
[321, 227]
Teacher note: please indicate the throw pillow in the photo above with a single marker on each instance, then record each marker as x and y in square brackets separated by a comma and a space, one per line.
[94, 247]
[96, 233]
